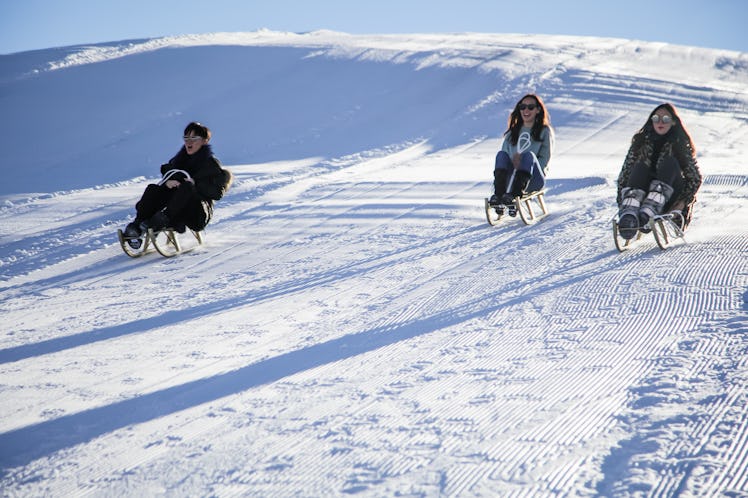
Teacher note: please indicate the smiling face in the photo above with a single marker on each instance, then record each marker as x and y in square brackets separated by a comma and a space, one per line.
[193, 143]
[662, 121]
[528, 110]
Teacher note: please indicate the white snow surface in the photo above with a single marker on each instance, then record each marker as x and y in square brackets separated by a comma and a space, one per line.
[353, 326]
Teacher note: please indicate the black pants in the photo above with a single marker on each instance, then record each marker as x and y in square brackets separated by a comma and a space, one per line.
[182, 205]
[668, 172]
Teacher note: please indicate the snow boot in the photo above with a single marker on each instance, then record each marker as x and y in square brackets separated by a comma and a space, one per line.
[158, 221]
[628, 225]
[132, 230]
[659, 194]
[133, 235]
[521, 180]
[628, 216]
[499, 186]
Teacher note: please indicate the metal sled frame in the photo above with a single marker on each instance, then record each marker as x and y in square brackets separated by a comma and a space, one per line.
[664, 227]
[524, 205]
[166, 242]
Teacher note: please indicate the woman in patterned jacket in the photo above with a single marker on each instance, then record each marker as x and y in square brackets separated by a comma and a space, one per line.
[659, 174]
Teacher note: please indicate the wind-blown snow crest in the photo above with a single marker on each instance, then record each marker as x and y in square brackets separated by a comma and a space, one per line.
[352, 324]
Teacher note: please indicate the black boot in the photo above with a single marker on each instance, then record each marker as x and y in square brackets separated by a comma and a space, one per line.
[499, 186]
[521, 180]
[628, 215]
[133, 230]
[158, 222]
[133, 234]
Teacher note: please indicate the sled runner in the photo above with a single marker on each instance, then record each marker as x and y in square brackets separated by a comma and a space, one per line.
[522, 205]
[665, 227]
[166, 242]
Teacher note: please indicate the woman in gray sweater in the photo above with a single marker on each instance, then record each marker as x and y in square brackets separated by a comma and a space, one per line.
[522, 162]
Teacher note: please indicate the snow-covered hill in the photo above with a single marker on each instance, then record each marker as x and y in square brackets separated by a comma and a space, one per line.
[353, 325]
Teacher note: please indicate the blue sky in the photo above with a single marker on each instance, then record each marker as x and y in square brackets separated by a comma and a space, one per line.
[35, 24]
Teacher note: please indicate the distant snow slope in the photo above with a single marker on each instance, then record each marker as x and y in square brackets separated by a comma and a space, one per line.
[353, 325]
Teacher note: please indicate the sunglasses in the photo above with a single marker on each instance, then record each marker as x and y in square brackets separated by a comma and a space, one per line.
[664, 119]
[530, 107]
[192, 139]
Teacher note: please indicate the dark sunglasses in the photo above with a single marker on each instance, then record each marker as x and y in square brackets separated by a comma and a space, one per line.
[664, 119]
[191, 139]
[530, 107]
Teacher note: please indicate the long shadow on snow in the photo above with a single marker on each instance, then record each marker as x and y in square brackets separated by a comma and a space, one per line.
[557, 186]
[55, 246]
[171, 317]
[22, 446]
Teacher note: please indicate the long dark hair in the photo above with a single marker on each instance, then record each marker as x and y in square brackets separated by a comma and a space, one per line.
[542, 119]
[679, 132]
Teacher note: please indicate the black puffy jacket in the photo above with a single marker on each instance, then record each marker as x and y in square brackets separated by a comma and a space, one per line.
[211, 179]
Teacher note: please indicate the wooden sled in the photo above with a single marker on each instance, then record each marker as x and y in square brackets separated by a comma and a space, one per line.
[523, 205]
[166, 242]
[667, 229]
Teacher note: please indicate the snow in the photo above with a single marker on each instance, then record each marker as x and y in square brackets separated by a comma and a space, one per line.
[353, 326]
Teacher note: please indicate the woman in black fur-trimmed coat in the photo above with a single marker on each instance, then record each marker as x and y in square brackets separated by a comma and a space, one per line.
[659, 173]
[191, 181]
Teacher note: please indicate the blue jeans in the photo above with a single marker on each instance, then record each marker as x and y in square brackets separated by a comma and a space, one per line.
[529, 163]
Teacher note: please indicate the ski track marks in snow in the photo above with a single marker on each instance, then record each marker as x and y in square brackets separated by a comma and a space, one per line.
[353, 326]
[514, 372]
